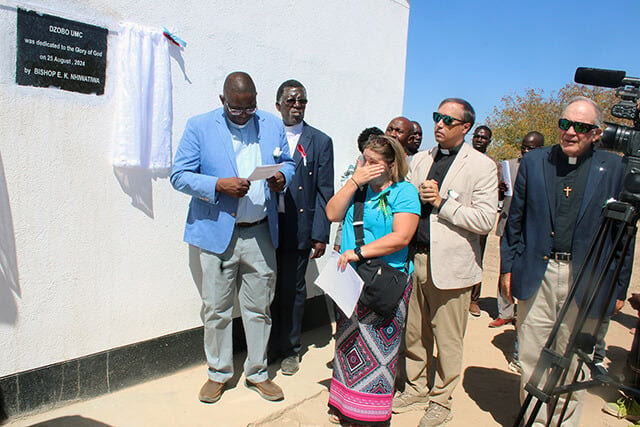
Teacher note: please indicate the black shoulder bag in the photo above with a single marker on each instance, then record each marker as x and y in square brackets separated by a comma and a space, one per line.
[383, 284]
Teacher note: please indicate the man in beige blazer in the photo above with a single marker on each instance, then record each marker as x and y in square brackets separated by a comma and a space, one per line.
[458, 188]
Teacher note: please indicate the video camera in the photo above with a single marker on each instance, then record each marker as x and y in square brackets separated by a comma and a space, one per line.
[619, 137]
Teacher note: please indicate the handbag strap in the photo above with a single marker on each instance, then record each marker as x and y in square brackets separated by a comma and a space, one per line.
[358, 219]
[358, 214]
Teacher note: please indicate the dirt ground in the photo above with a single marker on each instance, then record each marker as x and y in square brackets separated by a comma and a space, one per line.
[486, 396]
[488, 392]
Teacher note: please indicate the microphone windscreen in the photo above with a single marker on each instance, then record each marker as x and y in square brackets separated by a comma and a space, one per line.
[599, 77]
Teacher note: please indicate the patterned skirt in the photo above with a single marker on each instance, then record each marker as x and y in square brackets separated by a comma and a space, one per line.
[365, 363]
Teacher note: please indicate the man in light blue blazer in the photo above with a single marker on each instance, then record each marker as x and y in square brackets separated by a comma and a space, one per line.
[232, 227]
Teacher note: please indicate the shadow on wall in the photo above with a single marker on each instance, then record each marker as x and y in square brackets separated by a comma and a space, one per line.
[176, 53]
[9, 283]
[137, 183]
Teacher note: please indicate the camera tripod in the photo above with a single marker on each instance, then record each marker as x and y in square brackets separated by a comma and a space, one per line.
[605, 255]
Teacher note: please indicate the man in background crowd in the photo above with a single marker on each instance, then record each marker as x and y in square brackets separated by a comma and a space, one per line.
[401, 129]
[304, 227]
[480, 141]
[531, 141]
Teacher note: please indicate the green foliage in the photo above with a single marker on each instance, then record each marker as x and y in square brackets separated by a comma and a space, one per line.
[518, 115]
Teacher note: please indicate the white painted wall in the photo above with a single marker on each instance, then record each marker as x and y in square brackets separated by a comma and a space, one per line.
[83, 267]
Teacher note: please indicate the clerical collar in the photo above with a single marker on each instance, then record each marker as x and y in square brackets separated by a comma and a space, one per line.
[450, 151]
[295, 129]
[572, 161]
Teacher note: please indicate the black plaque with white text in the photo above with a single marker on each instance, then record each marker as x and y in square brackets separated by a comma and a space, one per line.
[57, 52]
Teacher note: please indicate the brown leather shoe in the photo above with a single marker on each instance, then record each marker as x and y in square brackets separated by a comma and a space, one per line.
[474, 309]
[211, 392]
[267, 389]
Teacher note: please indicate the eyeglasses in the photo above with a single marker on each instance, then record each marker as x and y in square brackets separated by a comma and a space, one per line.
[239, 111]
[447, 120]
[579, 127]
[292, 101]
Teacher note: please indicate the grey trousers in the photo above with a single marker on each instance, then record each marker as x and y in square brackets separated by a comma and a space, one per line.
[506, 308]
[535, 319]
[248, 268]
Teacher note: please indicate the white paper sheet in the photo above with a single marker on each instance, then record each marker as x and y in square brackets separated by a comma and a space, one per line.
[343, 287]
[506, 177]
[264, 172]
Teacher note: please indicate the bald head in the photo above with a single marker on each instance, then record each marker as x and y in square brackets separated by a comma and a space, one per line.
[238, 82]
[531, 141]
[239, 97]
[401, 129]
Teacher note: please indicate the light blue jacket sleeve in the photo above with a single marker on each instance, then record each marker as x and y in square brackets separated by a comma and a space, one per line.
[185, 174]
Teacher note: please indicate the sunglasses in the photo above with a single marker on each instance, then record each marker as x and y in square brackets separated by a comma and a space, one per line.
[579, 127]
[447, 120]
[292, 101]
[239, 111]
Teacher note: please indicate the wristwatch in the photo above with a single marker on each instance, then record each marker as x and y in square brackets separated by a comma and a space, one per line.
[358, 251]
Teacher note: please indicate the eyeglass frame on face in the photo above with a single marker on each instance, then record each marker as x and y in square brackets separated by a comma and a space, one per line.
[293, 101]
[239, 111]
[582, 128]
[446, 119]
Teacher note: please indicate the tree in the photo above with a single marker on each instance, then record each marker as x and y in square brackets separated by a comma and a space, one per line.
[519, 114]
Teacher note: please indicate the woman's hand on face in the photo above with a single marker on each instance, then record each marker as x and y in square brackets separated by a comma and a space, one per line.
[364, 174]
[347, 257]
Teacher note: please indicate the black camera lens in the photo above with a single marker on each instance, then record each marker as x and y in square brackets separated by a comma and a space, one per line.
[620, 138]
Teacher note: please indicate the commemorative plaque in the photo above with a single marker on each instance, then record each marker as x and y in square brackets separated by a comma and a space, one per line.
[57, 52]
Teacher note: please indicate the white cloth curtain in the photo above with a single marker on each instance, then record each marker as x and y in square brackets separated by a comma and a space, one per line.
[142, 92]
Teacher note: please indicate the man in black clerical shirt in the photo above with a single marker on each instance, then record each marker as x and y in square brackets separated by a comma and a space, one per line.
[554, 215]
[458, 190]
[441, 164]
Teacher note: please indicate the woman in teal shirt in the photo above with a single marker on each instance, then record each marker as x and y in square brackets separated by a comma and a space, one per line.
[367, 344]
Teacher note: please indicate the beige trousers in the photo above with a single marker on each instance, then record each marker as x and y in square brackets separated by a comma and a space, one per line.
[535, 319]
[439, 317]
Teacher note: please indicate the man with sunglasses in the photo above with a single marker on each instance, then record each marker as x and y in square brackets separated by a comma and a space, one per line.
[554, 215]
[232, 227]
[458, 189]
[304, 226]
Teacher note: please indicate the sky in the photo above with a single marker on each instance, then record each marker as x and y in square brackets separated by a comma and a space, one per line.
[484, 50]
